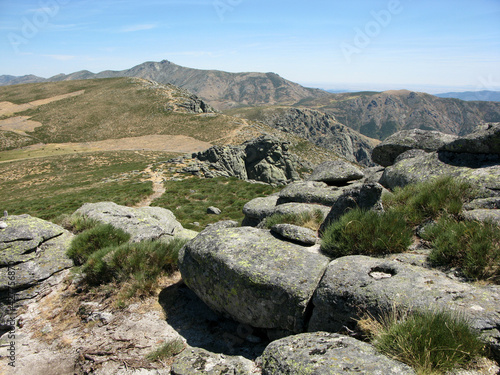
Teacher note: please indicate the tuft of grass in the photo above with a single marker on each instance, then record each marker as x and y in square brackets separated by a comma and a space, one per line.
[367, 233]
[99, 237]
[189, 199]
[167, 350]
[311, 220]
[471, 246]
[430, 200]
[432, 342]
[138, 265]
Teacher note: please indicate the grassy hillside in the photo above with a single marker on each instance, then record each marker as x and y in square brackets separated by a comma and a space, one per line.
[65, 170]
[48, 187]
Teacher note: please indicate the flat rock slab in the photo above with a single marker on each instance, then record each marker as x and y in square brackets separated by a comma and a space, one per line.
[194, 361]
[322, 353]
[309, 192]
[295, 233]
[483, 215]
[486, 140]
[425, 166]
[253, 277]
[260, 208]
[386, 152]
[336, 172]
[359, 283]
[144, 223]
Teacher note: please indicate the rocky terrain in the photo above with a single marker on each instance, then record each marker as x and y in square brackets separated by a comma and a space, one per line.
[320, 128]
[380, 114]
[280, 306]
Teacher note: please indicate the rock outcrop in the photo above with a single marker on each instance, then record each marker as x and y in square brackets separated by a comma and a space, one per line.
[31, 251]
[252, 276]
[322, 129]
[474, 158]
[360, 283]
[264, 159]
[144, 223]
[326, 353]
[416, 139]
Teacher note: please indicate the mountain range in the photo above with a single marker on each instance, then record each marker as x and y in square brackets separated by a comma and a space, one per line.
[220, 89]
[373, 114]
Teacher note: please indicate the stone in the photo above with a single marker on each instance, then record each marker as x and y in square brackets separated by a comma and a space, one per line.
[296, 234]
[144, 223]
[309, 192]
[363, 196]
[213, 210]
[483, 215]
[423, 167]
[336, 173]
[194, 361]
[386, 152]
[351, 286]
[264, 159]
[485, 140]
[258, 209]
[253, 277]
[3, 225]
[301, 208]
[326, 353]
[492, 203]
[31, 251]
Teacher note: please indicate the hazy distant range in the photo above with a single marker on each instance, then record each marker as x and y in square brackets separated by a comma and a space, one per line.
[484, 95]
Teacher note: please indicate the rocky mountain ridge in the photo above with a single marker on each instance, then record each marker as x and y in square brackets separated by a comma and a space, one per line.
[380, 114]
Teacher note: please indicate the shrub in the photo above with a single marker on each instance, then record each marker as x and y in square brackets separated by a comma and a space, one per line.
[429, 341]
[99, 237]
[430, 200]
[139, 264]
[471, 246]
[311, 220]
[367, 233]
[167, 350]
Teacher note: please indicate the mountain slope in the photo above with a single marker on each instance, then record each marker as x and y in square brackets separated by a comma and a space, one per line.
[380, 114]
[485, 95]
[220, 89]
[93, 112]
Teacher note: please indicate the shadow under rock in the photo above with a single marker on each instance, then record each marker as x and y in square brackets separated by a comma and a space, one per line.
[203, 328]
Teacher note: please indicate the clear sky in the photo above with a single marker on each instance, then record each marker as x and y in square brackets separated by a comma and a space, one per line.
[425, 45]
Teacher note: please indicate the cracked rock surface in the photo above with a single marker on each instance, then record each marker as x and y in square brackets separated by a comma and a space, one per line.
[31, 250]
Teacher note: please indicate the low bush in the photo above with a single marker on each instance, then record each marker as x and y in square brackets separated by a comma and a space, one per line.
[311, 220]
[367, 233]
[138, 264]
[167, 350]
[471, 246]
[94, 239]
[430, 200]
[429, 341]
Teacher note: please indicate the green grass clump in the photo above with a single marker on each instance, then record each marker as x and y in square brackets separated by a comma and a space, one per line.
[311, 220]
[432, 342]
[167, 350]
[189, 199]
[99, 237]
[368, 233]
[139, 265]
[471, 246]
[430, 200]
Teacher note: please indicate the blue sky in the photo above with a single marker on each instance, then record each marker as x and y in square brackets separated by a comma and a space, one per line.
[425, 45]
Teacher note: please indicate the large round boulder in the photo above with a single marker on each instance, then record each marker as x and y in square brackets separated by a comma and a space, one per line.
[253, 277]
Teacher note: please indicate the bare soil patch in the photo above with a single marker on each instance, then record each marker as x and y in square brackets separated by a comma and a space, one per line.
[8, 108]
